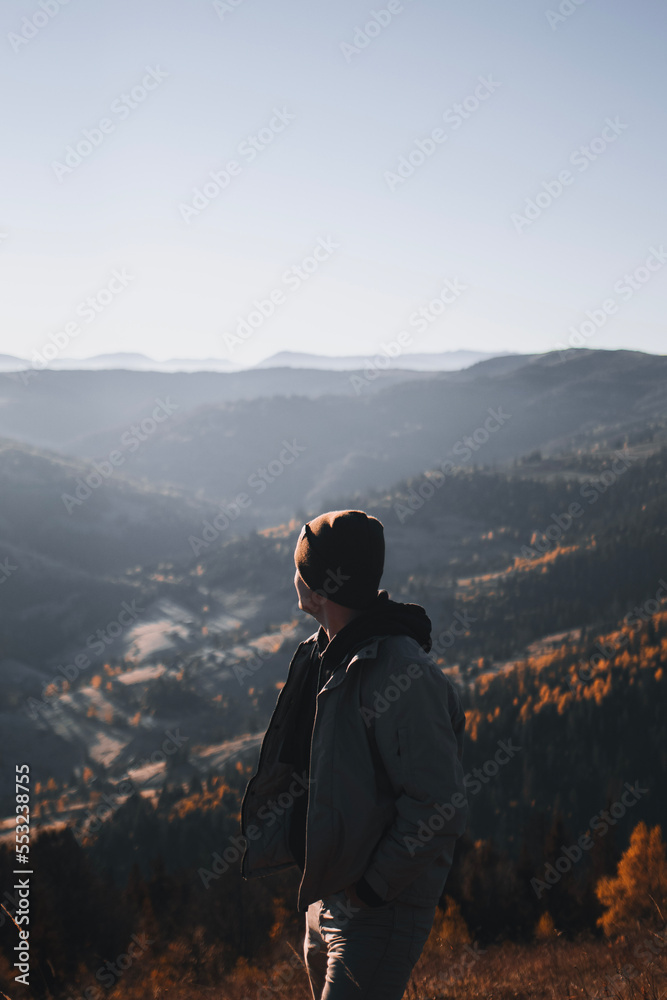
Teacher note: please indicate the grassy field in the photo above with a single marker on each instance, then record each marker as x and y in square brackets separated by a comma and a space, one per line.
[552, 969]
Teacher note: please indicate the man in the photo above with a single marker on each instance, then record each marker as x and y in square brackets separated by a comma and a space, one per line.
[360, 779]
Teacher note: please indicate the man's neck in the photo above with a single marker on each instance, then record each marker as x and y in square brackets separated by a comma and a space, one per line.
[333, 623]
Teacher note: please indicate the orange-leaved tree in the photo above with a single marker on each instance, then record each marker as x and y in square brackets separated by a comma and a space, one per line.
[637, 894]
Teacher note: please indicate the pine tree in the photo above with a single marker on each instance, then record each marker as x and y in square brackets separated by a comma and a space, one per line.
[638, 892]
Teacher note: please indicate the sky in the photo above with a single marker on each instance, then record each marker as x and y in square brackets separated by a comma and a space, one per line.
[188, 178]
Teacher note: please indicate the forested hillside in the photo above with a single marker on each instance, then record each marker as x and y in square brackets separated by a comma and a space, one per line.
[545, 580]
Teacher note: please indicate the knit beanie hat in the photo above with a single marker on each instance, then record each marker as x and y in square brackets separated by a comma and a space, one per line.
[340, 555]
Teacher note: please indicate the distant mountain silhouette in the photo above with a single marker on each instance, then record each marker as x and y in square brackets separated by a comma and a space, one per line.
[9, 362]
[134, 361]
[60, 409]
[441, 361]
[130, 360]
[491, 413]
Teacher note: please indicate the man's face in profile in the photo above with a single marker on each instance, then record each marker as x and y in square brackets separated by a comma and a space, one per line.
[305, 596]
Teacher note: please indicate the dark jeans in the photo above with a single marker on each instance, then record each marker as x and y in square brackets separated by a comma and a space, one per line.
[363, 952]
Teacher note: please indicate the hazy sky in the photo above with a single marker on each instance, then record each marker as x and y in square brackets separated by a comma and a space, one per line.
[316, 115]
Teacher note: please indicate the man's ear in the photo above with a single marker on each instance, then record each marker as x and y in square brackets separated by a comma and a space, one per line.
[318, 599]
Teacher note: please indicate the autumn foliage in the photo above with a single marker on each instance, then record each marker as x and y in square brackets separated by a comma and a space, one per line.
[637, 894]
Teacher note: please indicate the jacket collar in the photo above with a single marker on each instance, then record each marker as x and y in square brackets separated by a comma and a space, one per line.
[367, 652]
[336, 650]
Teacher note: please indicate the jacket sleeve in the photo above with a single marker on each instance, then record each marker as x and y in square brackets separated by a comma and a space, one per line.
[419, 736]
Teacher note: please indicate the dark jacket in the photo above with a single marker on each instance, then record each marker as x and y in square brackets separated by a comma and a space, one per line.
[372, 792]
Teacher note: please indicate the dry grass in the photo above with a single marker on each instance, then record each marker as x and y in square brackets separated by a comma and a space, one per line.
[548, 970]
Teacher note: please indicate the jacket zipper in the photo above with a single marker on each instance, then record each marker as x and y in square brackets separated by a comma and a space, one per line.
[276, 711]
[310, 763]
[310, 771]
